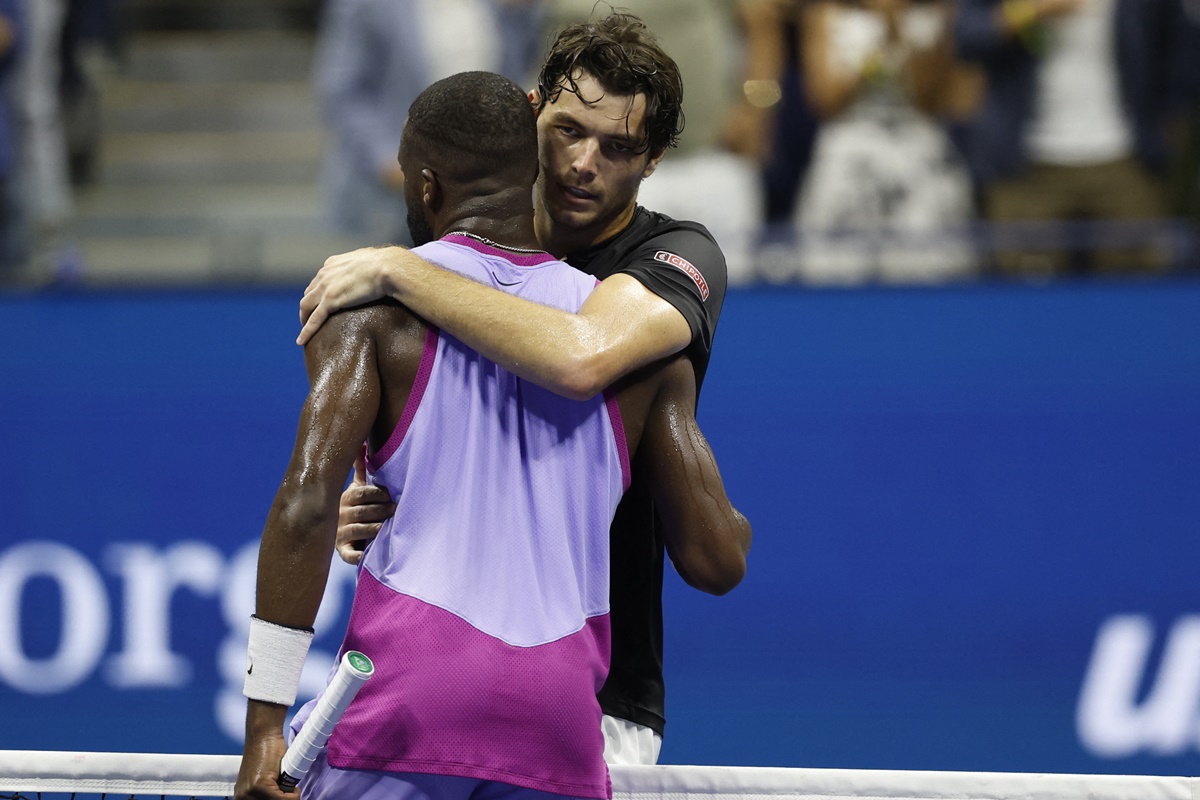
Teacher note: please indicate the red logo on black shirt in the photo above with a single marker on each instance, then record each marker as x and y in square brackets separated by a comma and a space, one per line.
[685, 266]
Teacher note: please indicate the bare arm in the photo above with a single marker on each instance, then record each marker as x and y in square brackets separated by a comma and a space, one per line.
[622, 326]
[706, 537]
[297, 542]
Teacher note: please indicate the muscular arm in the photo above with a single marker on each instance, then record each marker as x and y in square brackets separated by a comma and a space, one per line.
[297, 542]
[622, 326]
[706, 537]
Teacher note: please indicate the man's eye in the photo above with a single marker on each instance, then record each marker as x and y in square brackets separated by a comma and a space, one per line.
[567, 130]
[617, 147]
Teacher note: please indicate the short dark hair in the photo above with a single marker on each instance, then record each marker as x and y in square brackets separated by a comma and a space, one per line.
[480, 122]
[621, 53]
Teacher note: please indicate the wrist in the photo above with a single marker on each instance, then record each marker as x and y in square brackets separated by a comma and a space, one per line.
[264, 719]
[391, 272]
[275, 657]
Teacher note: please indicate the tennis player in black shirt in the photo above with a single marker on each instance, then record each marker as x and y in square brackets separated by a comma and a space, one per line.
[609, 106]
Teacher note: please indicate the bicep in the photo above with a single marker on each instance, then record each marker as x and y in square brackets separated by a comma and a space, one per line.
[342, 404]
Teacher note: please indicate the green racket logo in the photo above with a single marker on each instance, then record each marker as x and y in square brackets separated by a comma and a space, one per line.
[360, 662]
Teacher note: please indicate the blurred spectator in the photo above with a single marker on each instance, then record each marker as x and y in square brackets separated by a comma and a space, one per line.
[1072, 126]
[373, 58]
[89, 35]
[11, 34]
[702, 179]
[44, 186]
[1185, 172]
[887, 195]
[773, 38]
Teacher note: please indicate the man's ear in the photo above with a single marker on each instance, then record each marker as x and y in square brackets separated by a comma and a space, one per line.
[535, 99]
[431, 190]
[652, 164]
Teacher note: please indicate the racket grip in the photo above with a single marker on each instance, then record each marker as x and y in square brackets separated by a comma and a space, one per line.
[353, 671]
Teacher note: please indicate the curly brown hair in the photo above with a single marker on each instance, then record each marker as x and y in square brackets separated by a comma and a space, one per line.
[624, 57]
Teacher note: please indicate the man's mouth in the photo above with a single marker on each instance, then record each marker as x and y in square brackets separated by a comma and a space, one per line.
[578, 194]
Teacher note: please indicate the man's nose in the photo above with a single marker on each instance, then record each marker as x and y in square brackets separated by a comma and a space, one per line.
[586, 156]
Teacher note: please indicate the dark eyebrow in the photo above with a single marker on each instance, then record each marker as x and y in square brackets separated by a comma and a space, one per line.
[562, 117]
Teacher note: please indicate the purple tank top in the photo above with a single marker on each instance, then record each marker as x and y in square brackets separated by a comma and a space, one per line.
[484, 600]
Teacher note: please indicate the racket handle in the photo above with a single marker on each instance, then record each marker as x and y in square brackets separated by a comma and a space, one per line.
[351, 674]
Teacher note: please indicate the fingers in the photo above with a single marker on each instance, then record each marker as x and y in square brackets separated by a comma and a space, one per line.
[360, 469]
[361, 513]
[353, 541]
[314, 305]
[315, 320]
[366, 500]
[351, 553]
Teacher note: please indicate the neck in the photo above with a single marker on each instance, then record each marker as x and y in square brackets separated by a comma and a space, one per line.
[491, 243]
[562, 241]
[505, 224]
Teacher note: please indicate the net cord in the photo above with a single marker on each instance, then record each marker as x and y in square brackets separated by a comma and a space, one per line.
[214, 776]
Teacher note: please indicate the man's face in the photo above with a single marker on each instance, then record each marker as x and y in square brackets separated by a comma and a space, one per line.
[591, 166]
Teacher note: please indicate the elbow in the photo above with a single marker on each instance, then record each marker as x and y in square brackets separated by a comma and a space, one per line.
[731, 568]
[719, 572]
[301, 515]
[728, 577]
[581, 377]
[717, 565]
[718, 576]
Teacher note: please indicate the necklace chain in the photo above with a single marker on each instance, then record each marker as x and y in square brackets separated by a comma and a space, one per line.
[490, 243]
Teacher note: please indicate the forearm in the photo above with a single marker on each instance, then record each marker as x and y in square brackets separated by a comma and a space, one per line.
[621, 327]
[556, 350]
[296, 552]
[708, 539]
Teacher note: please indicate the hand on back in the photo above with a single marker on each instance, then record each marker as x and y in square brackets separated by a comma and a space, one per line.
[344, 281]
[361, 513]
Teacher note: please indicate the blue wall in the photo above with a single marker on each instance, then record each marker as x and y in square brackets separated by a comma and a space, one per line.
[975, 518]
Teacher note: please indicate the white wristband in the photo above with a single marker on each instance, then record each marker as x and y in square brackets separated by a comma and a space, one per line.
[274, 661]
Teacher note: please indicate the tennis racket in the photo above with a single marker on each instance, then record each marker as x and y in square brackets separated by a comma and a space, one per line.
[352, 673]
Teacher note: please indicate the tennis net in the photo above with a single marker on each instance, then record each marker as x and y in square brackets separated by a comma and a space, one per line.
[52, 774]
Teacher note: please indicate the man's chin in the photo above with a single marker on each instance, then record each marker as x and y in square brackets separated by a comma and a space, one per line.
[573, 218]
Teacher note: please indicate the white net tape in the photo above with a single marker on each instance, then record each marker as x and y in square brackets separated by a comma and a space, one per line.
[29, 772]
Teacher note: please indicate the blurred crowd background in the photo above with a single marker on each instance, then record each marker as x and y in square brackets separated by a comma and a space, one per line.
[827, 142]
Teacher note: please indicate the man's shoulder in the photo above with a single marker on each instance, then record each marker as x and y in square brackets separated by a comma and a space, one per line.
[651, 225]
[380, 317]
[649, 241]
[683, 244]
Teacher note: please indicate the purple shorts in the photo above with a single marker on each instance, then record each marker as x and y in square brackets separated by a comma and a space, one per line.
[324, 782]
